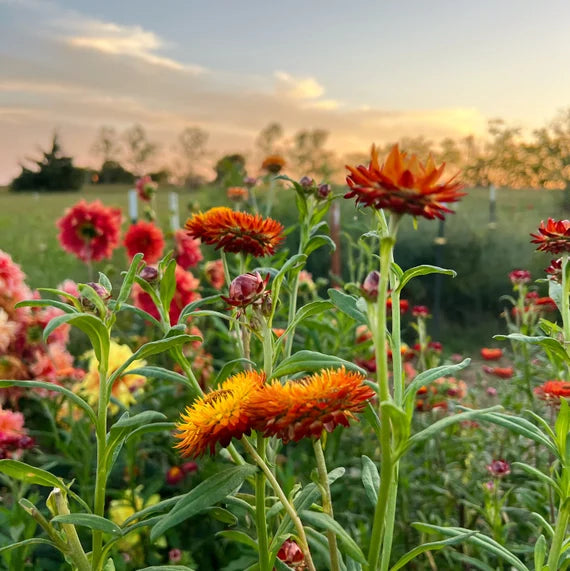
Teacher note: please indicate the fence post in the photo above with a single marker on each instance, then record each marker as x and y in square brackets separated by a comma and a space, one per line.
[174, 210]
[133, 206]
[492, 207]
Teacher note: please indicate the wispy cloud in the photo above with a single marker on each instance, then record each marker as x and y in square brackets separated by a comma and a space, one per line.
[113, 39]
[297, 87]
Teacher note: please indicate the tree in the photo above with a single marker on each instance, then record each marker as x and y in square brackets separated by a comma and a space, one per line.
[54, 172]
[139, 149]
[191, 147]
[309, 155]
[230, 170]
[107, 145]
[268, 139]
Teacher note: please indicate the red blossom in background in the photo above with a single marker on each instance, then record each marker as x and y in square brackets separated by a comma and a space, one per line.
[520, 277]
[420, 311]
[145, 238]
[553, 237]
[146, 187]
[553, 390]
[501, 372]
[90, 231]
[491, 354]
[187, 252]
[499, 468]
[215, 274]
[403, 185]
[554, 271]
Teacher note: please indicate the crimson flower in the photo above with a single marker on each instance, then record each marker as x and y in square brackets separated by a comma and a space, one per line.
[520, 277]
[145, 238]
[90, 231]
[187, 252]
[491, 354]
[403, 185]
[553, 237]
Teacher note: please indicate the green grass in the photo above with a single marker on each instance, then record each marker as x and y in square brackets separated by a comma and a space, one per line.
[482, 256]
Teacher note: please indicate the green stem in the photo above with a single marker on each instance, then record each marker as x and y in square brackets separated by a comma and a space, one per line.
[397, 374]
[565, 311]
[297, 523]
[327, 501]
[390, 520]
[260, 520]
[559, 534]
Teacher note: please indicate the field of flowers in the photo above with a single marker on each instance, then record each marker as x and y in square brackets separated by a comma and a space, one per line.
[210, 398]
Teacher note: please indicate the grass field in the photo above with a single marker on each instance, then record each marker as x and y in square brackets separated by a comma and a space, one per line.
[481, 255]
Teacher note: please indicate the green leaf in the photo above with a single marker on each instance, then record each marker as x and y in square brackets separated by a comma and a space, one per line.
[154, 508]
[141, 313]
[551, 346]
[311, 361]
[167, 568]
[146, 417]
[313, 308]
[168, 284]
[372, 418]
[87, 292]
[433, 546]
[189, 309]
[91, 325]
[128, 281]
[105, 282]
[561, 427]
[223, 515]
[228, 368]
[539, 552]
[30, 474]
[484, 542]
[422, 270]
[56, 388]
[47, 303]
[26, 542]
[155, 427]
[91, 521]
[543, 523]
[238, 537]
[438, 426]
[555, 293]
[532, 471]
[317, 241]
[370, 479]
[327, 523]
[399, 421]
[427, 377]
[204, 495]
[151, 372]
[347, 304]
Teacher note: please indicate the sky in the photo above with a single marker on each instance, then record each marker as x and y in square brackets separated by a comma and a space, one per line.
[367, 71]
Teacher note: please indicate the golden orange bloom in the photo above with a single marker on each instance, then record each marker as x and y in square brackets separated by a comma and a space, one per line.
[237, 193]
[403, 185]
[301, 409]
[218, 416]
[553, 390]
[235, 231]
[273, 163]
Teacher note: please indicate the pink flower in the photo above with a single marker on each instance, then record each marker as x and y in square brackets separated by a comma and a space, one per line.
[8, 330]
[146, 187]
[70, 287]
[11, 423]
[187, 253]
[11, 276]
[215, 274]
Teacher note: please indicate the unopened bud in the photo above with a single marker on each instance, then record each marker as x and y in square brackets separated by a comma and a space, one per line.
[306, 182]
[324, 190]
[370, 285]
[149, 274]
[245, 289]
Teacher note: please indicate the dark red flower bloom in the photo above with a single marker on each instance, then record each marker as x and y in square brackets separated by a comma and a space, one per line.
[146, 187]
[246, 289]
[145, 238]
[501, 372]
[499, 468]
[187, 253]
[553, 390]
[519, 277]
[420, 311]
[403, 185]
[369, 286]
[553, 237]
[90, 231]
[290, 553]
[555, 270]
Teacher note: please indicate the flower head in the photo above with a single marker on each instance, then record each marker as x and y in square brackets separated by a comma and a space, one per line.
[501, 372]
[247, 289]
[301, 409]
[291, 554]
[215, 273]
[145, 238]
[520, 277]
[553, 237]
[491, 354]
[236, 231]
[124, 387]
[420, 311]
[90, 231]
[370, 284]
[218, 416]
[403, 185]
[237, 193]
[273, 163]
[187, 252]
[146, 187]
[553, 390]
[499, 468]
[554, 271]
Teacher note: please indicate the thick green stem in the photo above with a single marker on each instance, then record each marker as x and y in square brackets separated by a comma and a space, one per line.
[565, 311]
[297, 523]
[397, 374]
[260, 520]
[327, 501]
[390, 520]
[559, 535]
[386, 468]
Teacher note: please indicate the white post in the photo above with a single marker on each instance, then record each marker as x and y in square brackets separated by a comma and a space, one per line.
[133, 205]
[173, 207]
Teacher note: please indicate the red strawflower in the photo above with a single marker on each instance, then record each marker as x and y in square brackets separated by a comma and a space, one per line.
[545, 304]
[187, 253]
[186, 285]
[215, 274]
[236, 231]
[90, 231]
[555, 270]
[404, 305]
[519, 277]
[403, 185]
[499, 468]
[501, 372]
[553, 390]
[491, 354]
[553, 237]
[145, 238]
[420, 311]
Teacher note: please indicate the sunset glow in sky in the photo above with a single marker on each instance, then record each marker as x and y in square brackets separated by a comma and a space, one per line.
[364, 70]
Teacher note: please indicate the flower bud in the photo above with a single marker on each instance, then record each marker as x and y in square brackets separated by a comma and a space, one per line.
[174, 475]
[101, 291]
[420, 311]
[149, 274]
[290, 552]
[306, 182]
[324, 190]
[520, 277]
[499, 468]
[249, 181]
[369, 286]
[246, 289]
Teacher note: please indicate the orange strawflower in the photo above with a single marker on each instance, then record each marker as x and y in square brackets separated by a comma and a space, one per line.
[301, 409]
[218, 416]
[273, 163]
[553, 237]
[235, 231]
[403, 185]
[237, 193]
[491, 354]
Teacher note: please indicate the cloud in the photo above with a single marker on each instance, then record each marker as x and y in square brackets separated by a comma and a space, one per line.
[113, 39]
[297, 88]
